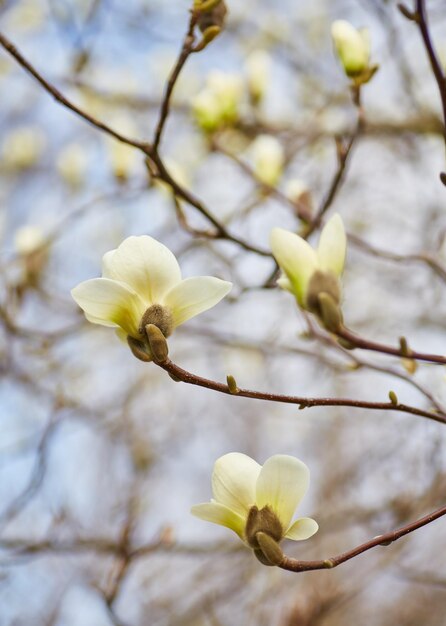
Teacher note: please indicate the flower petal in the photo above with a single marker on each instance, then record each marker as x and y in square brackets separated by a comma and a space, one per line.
[282, 483]
[144, 264]
[195, 295]
[302, 528]
[219, 514]
[109, 302]
[332, 246]
[234, 482]
[296, 258]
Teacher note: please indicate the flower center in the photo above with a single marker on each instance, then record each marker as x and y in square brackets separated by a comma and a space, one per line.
[160, 316]
[265, 521]
[322, 282]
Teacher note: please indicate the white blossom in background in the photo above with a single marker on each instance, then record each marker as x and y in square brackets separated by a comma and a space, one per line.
[22, 148]
[258, 72]
[307, 272]
[141, 284]
[28, 239]
[250, 498]
[268, 159]
[218, 103]
[352, 46]
[72, 163]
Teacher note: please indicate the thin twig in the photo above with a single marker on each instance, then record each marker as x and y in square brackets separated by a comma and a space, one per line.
[294, 565]
[366, 344]
[57, 95]
[186, 51]
[303, 402]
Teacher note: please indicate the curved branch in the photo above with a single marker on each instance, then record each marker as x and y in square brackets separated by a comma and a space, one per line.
[179, 374]
[294, 565]
[366, 344]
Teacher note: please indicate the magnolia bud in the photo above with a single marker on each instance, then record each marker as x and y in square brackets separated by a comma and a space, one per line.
[393, 398]
[352, 46]
[270, 548]
[157, 343]
[330, 312]
[262, 521]
[232, 384]
[139, 349]
[322, 282]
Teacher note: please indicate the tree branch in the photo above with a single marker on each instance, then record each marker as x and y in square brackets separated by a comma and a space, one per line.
[294, 565]
[182, 375]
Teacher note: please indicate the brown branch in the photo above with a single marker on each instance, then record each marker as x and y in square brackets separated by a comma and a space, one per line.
[422, 22]
[146, 148]
[366, 344]
[294, 565]
[59, 97]
[303, 402]
[186, 51]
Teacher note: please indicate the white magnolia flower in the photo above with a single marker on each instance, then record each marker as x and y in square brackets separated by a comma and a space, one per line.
[72, 163]
[268, 159]
[251, 498]
[218, 103]
[352, 46]
[141, 284]
[307, 272]
[22, 147]
[258, 70]
[29, 239]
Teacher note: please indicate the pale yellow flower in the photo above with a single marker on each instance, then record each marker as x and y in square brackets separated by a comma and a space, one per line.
[306, 271]
[352, 46]
[141, 284]
[249, 498]
[268, 159]
[218, 103]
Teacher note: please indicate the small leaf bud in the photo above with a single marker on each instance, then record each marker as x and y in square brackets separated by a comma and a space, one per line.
[404, 347]
[232, 384]
[393, 398]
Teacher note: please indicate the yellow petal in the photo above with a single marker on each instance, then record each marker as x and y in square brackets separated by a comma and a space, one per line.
[219, 514]
[302, 528]
[332, 246]
[282, 483]
[146, 265]
[234, 482]
[296, 258]
[109, 302]
[192, 296]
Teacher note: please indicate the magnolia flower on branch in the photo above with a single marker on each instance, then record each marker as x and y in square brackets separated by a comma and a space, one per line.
[258, 502]
[312, 276]
[141, 285]
[353, 48]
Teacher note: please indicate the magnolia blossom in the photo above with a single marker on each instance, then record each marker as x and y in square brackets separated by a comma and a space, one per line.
[352, 46]
[219, 101]
[306, 272]
[250, 498]
[29, 239]
[258, 70]
[268, 159]
[72, 164]
[23, 147]
[141, 284]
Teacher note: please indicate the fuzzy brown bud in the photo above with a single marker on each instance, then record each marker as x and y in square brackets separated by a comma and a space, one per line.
[270, 548]
[262, 521]
[157, 343]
